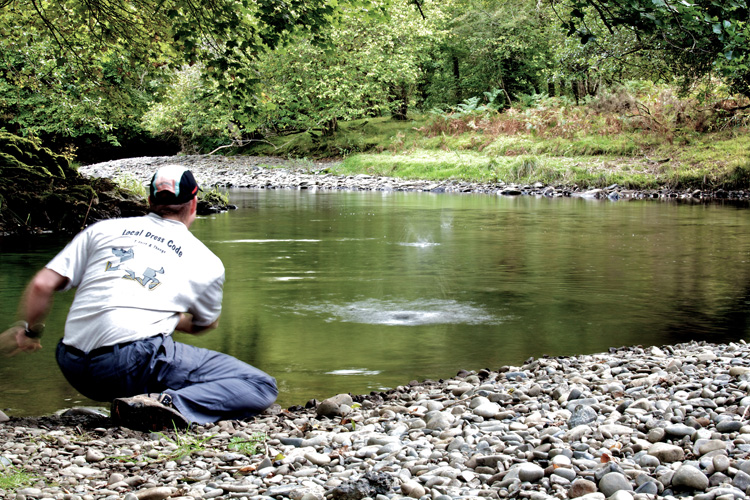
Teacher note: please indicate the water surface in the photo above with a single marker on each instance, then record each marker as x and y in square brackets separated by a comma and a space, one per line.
[356, 292]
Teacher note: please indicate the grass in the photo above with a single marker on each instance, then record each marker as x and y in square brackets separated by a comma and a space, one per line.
[12, 478]
[251, 446]
[642, 140]
[131, 183]
[183, 444]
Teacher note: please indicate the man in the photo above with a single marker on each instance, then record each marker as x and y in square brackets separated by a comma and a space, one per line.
[138, 280]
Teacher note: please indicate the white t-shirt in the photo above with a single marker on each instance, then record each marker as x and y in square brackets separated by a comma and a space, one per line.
[133, 277]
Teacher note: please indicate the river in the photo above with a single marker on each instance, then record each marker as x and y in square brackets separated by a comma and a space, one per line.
[360, 291]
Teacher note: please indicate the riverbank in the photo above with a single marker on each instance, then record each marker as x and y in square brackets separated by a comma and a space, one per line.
[260, 172]
[633, 422]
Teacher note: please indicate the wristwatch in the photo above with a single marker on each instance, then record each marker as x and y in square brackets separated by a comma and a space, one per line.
[32, 332]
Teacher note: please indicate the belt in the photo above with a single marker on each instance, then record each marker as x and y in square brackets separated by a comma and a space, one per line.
[96, 352]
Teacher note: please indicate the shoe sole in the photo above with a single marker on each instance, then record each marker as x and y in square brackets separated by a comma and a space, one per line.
[146, 417]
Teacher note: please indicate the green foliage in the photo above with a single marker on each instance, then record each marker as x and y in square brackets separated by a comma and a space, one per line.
[189, 108]
[131, 183]
[489, 45]
[183, 444]
[238, 72]
[215, 197]
[639, 136]
[695, 39]
[351, 137]
[40, 189]
[12, 478]
[47, 90]
[250, 446]
[492, 102]
[372, 72]
[19, 156]
[73, 68]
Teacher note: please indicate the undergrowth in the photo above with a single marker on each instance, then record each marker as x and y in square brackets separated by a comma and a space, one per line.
[650, 111]
[639, 135]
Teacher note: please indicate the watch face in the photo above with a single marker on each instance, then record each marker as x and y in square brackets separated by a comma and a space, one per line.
[34, 332]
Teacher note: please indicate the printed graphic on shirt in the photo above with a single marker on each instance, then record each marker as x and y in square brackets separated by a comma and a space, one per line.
[147, 279]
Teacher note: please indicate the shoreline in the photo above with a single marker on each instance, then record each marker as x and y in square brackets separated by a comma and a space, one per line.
[630, 423]
[634, 422]
[258, 172]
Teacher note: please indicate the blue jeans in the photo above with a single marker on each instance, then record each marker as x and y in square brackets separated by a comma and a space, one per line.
[206, 386]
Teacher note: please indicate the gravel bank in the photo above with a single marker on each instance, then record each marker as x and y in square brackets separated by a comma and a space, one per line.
[666, 422]
[278, 173]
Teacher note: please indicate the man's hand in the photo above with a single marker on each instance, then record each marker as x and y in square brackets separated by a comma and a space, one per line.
[14, 341]
[186, 325]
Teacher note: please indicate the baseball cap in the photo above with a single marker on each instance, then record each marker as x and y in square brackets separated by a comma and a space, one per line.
[173, 185]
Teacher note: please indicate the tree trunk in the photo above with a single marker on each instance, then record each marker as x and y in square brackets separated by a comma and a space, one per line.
[400, 96]
[330, 127]
[457, 79]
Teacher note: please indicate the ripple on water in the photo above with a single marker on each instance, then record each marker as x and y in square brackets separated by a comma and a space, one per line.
[271, 240]
[409, 313]
[354, 371]
[419, 244]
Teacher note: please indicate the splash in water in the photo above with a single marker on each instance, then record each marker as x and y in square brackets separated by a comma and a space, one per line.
[411, 313]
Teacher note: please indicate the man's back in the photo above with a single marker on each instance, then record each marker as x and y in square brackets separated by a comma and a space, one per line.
[134, 276]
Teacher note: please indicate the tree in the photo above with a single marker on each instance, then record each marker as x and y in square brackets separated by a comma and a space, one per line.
[696, 38]
[45, 92]
[490, 45]
[73, 67]
[372, 71]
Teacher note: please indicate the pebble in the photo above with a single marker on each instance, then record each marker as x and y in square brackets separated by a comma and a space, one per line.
[279, 173]
[476, 435]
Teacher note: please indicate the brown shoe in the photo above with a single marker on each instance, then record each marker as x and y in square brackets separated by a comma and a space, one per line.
[146, 413]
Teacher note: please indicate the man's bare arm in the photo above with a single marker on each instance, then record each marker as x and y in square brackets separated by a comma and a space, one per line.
[32, 310]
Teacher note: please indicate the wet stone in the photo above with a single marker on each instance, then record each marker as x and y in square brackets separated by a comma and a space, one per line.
[688, 477]
[426, 440]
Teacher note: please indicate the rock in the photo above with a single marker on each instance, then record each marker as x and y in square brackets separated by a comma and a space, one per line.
[581, 487]
[158, 493]
[679, 430]
[726, 426]
[582, 415]
[319, 459]
[425, 439]
[621, 495]
[336, 406]
[440, 421]
[530, 472]
[688, 477]
[613, 482]
[666, 453]
[648, 488]
[741, 480]
[487, 410]
[413, 489]
[94, 456]
[736, 371]
[371, 484]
